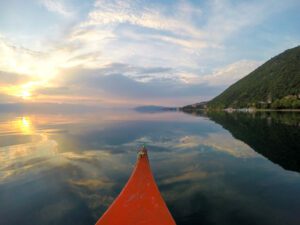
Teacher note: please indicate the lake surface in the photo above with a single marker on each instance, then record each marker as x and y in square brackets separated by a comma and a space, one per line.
[214, 168]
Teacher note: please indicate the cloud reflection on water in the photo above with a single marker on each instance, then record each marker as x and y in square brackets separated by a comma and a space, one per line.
[71, 169]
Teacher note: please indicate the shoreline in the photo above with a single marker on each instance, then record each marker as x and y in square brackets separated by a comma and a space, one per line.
[240, 110]
[278, 110]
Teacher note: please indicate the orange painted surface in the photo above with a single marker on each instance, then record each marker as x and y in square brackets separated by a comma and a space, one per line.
[140, 202]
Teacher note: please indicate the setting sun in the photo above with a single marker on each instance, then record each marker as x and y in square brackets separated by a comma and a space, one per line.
[26, 94]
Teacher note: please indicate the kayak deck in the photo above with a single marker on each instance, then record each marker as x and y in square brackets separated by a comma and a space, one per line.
[140, 202]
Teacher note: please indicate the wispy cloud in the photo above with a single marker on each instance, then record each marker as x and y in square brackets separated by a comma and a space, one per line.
[226, 75]
[12, 78]
[57, 6]
[186, 49]
[220, 142]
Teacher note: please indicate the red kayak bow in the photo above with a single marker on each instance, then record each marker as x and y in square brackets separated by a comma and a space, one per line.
[140, 202]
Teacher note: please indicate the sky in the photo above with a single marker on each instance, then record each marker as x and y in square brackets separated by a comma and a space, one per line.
[135, 52]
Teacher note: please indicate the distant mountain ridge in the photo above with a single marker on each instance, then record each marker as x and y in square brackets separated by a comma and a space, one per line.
[275, 84]
[153, 109]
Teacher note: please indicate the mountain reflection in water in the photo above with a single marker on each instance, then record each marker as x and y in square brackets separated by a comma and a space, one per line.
[68, 168]
[275, 135]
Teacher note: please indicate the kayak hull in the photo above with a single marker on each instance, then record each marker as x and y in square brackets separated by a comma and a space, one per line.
[140, 202]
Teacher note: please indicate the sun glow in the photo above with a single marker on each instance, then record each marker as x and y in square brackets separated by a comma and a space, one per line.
[26, 94]
[24, 91]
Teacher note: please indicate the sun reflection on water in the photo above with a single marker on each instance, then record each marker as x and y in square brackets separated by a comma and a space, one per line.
[24, 124]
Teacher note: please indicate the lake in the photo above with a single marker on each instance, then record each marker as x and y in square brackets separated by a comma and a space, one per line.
[211, 168]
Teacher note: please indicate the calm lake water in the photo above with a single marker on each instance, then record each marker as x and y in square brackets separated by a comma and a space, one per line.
[211, 169]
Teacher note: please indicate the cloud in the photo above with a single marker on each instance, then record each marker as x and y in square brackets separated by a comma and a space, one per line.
[116, 12]
[133, 32]
[128, 82]
[7, 78]
[182, 27]
[227, 75]
[21, 156]
[4, 98]
[136, 85]
[232, 72]
[57, 6]
[219, 142]
[125, 82]
[19, 60]
[181, 50]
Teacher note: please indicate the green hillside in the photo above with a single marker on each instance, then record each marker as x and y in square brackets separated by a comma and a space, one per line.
[275, 84]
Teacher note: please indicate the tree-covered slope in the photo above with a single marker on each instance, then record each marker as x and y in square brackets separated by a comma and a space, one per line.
[275, 84]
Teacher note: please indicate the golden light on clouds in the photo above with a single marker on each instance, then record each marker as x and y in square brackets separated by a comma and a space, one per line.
[22, 91]
[135, 40]
[37, 68]
[18, 91]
